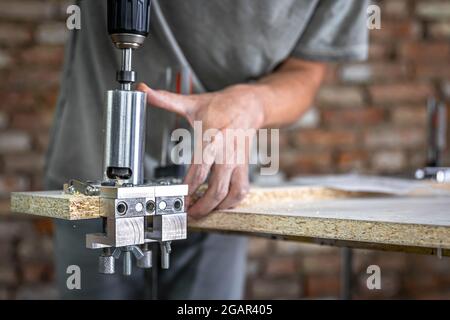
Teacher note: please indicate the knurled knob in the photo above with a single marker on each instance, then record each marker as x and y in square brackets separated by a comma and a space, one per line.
[106, 264]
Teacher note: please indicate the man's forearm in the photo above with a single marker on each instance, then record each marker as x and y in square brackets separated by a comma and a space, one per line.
[288, 92]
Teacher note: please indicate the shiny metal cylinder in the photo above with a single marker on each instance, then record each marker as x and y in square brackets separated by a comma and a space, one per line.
[127, 263]
[126, 59]
[124, 136]
[146, 261]
[165, 255]
[126, 66]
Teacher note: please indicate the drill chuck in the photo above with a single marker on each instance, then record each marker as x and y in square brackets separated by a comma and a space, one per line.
[128, 22]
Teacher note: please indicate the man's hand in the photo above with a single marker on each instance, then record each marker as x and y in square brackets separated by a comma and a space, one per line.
[237, 107]
[277, 99]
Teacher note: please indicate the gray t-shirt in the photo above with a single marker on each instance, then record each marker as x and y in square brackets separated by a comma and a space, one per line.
[225, 42]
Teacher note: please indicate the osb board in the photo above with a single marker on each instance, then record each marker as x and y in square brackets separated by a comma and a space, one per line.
[404, 221]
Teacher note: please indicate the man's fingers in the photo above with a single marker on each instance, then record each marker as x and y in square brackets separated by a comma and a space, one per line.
[182, 105]
[218, 186]
[239, 187]
[195, 176]
[198, 172]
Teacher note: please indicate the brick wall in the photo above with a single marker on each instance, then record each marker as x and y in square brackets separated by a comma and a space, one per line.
[371, 119]
[372, 114]
[32, 36]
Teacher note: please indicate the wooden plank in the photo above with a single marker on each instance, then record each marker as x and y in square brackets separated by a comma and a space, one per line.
[363, 219]
[406, 222]
[56, 204]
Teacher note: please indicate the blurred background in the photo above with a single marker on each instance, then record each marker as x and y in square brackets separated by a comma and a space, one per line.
[370, 118]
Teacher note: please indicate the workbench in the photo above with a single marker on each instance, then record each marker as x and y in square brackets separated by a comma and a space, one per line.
[415, 218]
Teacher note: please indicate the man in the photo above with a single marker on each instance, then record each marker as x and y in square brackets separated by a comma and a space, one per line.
[261, 62]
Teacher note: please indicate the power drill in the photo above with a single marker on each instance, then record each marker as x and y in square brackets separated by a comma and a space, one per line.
[135, 213]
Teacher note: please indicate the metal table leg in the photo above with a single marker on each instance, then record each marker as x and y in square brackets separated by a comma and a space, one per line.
[346, 273]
